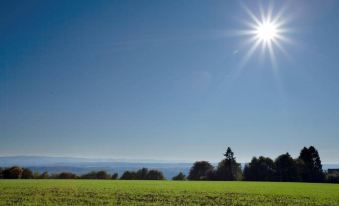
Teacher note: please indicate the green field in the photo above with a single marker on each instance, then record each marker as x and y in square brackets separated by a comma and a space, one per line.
[118, 192]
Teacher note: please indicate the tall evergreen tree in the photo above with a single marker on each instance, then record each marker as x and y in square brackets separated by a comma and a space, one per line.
[228, 168]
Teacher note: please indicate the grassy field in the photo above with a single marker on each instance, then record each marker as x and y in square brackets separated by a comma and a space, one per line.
[110, 192]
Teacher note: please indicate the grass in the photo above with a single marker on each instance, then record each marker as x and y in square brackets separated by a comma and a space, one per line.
[110, 192]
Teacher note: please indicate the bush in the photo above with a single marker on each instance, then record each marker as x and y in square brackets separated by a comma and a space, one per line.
[102, 175]
[90, 175]
[128, 175]
[260, 169]
[179, 176]
[155, 175]
[200, 170]
[12, 173]
[333, 177]
[115, 176]
[44, 175]
[142, 174]
[27, 174]
[1, 173]
[67, 175]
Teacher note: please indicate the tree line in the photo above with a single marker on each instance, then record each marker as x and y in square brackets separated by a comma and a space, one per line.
[306, 168]
[17, 172]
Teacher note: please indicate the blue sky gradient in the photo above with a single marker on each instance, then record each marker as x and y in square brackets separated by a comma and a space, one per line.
[165, 80]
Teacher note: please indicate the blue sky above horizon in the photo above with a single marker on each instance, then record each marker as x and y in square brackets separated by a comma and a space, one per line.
[165, 80]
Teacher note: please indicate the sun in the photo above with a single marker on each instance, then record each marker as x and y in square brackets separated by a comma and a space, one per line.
[266, 31]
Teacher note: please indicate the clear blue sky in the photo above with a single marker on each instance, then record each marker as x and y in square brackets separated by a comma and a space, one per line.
[165, 80]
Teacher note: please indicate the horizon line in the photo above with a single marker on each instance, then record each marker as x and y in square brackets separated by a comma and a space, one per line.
[127, 160]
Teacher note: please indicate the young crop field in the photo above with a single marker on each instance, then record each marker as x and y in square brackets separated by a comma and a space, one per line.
[119, 192]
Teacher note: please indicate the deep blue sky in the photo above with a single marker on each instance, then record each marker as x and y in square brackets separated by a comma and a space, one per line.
[165, 80]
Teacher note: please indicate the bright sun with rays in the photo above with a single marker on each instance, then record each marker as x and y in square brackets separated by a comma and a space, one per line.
[266, 31]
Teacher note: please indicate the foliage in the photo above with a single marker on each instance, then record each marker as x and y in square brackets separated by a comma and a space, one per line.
[128, 175]
[179, 176]
[200, 170]
[96, 175]
[333, 177]
[67, 175]
[44, 175]
[307, 168]
[102, 175]
[12, 173]
[228, 168]
[155, 175]
[142, 174]
[310, 167]
[286, 168]
[260, 169]
[27, 174]
[115, 176]
[90, 175]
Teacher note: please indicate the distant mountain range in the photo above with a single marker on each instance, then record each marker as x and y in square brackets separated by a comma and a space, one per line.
[84, 165]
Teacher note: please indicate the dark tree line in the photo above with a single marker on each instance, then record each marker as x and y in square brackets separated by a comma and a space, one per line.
[142, 174]
[100, 175]
[17, 172]
[306, 168]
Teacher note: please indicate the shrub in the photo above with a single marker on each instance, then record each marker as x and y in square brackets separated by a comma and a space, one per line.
[200, 170]
[179, 176]
[102, 175]
[12, 173]
[128, 175]
[333, 177]
[67, 175]
[90, 175]
[27, 174]
[115, 176]
[155, 175]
